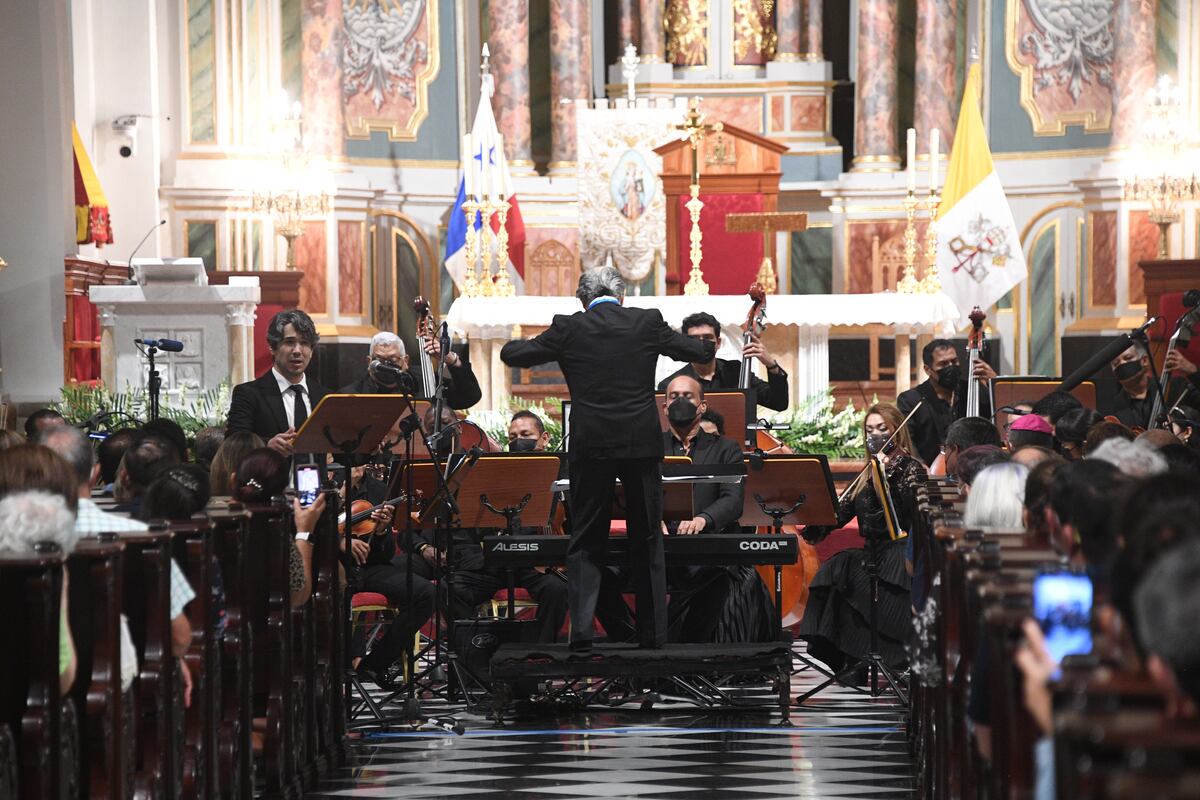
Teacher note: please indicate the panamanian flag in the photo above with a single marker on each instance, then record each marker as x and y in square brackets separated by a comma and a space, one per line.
[979, 254]
[489, 169]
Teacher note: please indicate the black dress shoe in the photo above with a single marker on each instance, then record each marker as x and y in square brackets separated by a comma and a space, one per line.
[580, 647]
[379, 677]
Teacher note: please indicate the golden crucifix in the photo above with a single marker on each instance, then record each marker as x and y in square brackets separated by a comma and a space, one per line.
[695, 130]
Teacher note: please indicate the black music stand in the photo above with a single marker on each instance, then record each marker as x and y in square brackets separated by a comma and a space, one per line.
[349, 425]
[787, 490]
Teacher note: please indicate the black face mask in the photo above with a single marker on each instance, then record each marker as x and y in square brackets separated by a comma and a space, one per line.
[681, 413]
[949, 376]
[522, 445]
[875, 443]
[1128, 370]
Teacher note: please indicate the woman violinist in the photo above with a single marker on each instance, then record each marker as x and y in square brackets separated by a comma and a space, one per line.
[835, 620]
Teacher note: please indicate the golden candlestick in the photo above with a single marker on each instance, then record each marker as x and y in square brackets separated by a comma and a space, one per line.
[487, 286]
[931, 283]
[504, 286]
[908, 284]
[695, 284]
[470, 287]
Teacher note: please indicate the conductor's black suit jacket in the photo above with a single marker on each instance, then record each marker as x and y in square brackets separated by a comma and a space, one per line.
[257, 406]
[608, 356]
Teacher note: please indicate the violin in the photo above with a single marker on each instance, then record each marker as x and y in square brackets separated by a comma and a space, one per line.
[361, 523]
[975, 344]
[756, 321]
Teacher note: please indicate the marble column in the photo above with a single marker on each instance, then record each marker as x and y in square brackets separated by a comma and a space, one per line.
[875, 137]
[508, 42]
[788, 28]
[628, 27]
[1134, 52]
[653, 44]
[570, 75]
[814, 42]
[321, 64]
[933, 81]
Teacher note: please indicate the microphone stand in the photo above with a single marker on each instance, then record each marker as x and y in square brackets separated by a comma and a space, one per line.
[153, 381]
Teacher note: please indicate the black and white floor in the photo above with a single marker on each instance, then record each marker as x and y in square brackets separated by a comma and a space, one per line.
[843, 744]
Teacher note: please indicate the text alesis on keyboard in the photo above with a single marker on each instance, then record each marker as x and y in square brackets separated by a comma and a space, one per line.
[701, 550]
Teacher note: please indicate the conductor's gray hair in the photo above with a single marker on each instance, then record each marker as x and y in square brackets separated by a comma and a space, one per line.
[386, 338]
[600, 282]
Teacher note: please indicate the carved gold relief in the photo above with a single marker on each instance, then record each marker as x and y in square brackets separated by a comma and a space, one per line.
[686, 24]
[754, 36]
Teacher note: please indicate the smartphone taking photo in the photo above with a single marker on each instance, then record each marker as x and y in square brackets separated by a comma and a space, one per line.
[1062, 606]
[308, 484]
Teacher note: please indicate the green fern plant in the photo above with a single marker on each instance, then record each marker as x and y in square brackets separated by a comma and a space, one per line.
[495, 422]
[191, 410]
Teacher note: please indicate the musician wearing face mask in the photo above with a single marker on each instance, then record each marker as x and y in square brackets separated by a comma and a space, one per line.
[719, 373]
[712, 603]
[1134, 401]
[389, 371]
[527, 433]
[839, 598]
[943, 397]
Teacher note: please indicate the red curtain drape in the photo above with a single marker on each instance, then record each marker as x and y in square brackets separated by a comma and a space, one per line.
[85, 364]
[731, 260]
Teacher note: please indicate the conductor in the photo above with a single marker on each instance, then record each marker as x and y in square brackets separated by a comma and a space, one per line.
[607, 354]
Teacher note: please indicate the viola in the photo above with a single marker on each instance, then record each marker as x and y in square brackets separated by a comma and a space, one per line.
[361, 523]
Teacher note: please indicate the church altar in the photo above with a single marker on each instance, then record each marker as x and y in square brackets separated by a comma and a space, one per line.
[797, 328]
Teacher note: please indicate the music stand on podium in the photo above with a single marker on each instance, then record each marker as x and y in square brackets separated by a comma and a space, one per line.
[349, 425]
[787, 490]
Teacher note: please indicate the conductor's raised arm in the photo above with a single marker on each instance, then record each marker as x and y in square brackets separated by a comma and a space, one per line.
[541, 349]
[675, 345]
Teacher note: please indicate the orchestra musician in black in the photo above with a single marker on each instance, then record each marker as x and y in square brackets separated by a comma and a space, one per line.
[607, 353]
[387, 362]
[715, 373]
[710, 603]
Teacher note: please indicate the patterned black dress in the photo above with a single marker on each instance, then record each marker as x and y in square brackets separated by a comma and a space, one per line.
[835, 623]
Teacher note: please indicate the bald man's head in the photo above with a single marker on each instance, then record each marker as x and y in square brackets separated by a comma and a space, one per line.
[685, 386]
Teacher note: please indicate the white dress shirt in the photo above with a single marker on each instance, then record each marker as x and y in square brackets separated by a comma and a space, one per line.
[289, 397]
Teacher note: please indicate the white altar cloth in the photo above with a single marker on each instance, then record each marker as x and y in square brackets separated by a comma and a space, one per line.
[489, 322]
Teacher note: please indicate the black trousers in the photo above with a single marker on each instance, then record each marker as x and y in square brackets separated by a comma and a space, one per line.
[475, 584]
[387, 580]
[591, 515]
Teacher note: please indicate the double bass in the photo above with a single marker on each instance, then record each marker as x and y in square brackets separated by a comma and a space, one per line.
[976, 341]
[424, 335]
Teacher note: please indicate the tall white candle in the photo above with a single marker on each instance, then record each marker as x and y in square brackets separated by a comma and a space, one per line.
[468, 167]
[912, 160]
[933, 160]
[498, 178]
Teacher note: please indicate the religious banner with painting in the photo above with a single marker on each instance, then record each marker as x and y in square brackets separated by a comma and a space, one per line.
[389, 58]
[1062, 50]
[622, 213]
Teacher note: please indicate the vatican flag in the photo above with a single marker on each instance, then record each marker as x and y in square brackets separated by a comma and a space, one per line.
[979, 252]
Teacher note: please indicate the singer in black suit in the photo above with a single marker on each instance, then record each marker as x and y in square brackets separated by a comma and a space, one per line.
[259, 406]
[608, 354]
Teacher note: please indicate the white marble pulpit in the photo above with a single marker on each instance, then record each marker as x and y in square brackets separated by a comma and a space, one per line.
[172, 300]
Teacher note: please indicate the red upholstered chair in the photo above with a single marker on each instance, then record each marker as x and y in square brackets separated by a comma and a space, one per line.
[370, 611]
[1170, 310]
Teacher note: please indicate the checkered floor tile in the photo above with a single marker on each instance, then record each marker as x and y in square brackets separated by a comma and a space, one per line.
[843, 744]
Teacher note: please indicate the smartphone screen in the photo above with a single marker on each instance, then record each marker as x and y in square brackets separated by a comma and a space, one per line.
[308, 484]
[1062, 605]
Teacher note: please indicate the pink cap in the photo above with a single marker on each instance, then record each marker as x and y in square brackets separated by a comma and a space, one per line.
[1031, 422]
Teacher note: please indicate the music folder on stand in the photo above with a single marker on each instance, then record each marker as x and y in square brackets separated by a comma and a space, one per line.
[347, 425]
[783, 490]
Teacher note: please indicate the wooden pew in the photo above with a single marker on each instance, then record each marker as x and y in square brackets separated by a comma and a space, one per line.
[30, 702]
[268, 604]
[234, 723]
[330, 632]
[96, 600]
[192, 548]
[147, 606]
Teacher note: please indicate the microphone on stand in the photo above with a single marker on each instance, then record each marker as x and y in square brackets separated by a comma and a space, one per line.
[131, 281]
[1111, 350]
[444, 344]
[166, 345]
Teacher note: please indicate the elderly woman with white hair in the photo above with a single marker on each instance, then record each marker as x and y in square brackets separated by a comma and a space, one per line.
[997, 497]
[390, 371]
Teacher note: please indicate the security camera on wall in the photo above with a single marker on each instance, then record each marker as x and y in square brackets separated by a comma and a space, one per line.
[126, 130]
